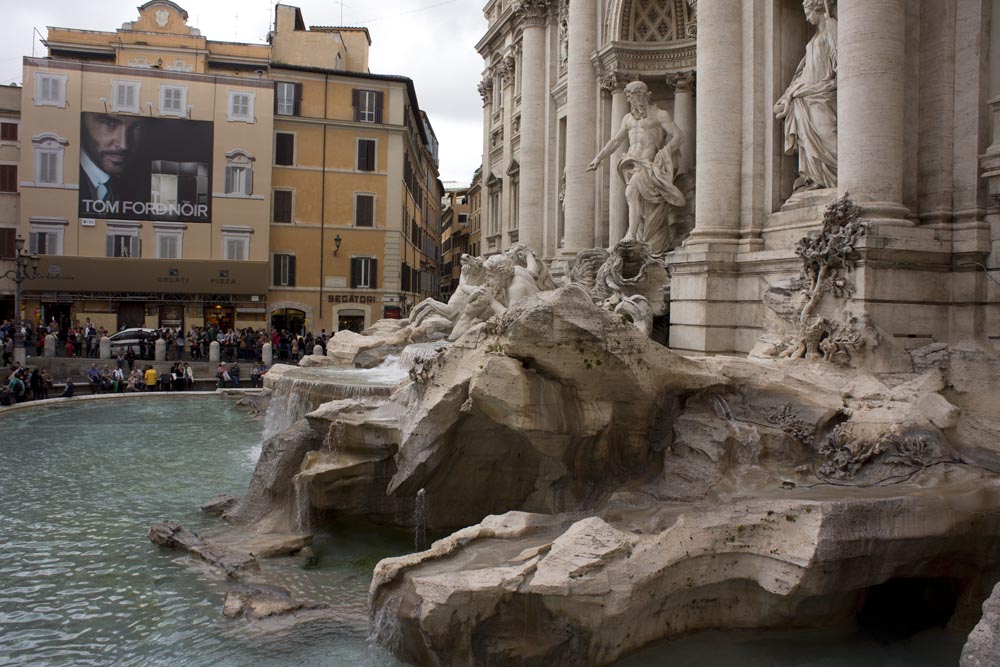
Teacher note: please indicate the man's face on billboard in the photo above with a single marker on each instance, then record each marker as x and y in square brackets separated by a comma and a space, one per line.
[111, 140]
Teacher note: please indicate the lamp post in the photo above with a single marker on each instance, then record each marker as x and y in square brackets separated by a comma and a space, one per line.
[25, 268]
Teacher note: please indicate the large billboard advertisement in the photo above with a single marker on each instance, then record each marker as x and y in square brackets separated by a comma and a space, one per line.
[140, 168]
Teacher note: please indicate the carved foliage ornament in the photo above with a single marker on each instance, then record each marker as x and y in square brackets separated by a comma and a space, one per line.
[682, 81]
[532, 12]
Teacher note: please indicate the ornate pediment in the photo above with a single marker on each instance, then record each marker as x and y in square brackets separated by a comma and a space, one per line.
[162, 16]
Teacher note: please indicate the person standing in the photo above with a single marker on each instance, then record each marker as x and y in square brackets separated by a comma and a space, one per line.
[234, 373]
[151, 378]
[188, 376]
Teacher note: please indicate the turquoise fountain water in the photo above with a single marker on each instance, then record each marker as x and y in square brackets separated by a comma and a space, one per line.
[80, 584]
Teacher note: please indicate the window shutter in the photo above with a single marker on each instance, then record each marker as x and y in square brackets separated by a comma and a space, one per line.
[298, 99]
[249, 182]
[370, 146]
[373, 278]
[277, 86]
[356, 103]
[291, 270]
[355, 271]
[135, 247]
[109, 246]
[229, 180]
[276, 271]
[379, 99]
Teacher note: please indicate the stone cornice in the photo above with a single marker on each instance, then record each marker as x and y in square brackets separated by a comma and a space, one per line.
[657, 59]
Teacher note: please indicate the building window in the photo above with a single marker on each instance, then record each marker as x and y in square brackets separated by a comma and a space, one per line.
[240, 107]
[125, 96]
[46, 238]
[123, 241]
[50, 89]
[173, 101]
[494, 226]
[288, 98]
[49, 149]
[283, 270]
[366, 155]
[239, 173]
[8, 236]
[282, 211]
[8, 132]
[169, 243]
[236, 243]
[8, 178]
[367, 105]
[364, 210]
[363, 272]
[284, 148]
[515, 202]
[463, 219]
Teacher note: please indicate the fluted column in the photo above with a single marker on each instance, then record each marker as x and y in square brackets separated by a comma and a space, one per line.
[684, 115]
[486, 92]
[581, 126]
[617, 205]
[533, 15]
[719, 118]
[870, 105]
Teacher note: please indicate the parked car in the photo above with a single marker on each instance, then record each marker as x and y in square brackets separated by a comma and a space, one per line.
[134, 338]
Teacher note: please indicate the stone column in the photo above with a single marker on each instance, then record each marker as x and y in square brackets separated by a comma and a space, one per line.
[617, 206]
[318, 351]
[160, 350]
[581, 126]
[213, 352]
[105, 347]
[267, 354]
[719, 118]
[684, 114]
[533, 15]
[870, 105]
[486, 92]
[50, 345]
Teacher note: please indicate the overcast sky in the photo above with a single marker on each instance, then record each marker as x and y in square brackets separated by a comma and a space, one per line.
[430, 41]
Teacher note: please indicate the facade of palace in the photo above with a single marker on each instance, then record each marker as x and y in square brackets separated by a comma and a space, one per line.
[170, 180]
[781, 107]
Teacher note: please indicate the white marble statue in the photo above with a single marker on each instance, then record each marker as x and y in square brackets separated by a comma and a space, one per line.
[647, 168]
[487, 287]
[809, 105]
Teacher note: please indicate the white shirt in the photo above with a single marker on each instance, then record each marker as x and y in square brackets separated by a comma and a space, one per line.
[97, 177]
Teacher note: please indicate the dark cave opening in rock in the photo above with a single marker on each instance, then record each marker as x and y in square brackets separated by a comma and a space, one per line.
[900, 608]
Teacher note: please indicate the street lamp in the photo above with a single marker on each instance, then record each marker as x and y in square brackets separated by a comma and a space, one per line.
[25, 268]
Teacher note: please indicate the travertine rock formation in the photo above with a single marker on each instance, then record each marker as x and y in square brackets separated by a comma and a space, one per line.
[636, 494]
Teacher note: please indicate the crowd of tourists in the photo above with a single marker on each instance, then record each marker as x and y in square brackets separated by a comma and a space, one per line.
[83, 340]
[125, 374]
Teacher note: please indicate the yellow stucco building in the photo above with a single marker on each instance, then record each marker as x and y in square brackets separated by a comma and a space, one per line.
[170, 180]
[356, 199]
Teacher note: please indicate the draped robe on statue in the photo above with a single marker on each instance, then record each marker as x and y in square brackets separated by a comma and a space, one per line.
[811, 120]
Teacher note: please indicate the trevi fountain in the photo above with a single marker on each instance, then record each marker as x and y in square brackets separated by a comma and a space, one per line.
[756, 390]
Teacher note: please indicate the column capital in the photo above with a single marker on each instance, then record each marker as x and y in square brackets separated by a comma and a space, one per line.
[682, 82]
[613, 82]
[505, 68]
[485, 88]
[532, 13]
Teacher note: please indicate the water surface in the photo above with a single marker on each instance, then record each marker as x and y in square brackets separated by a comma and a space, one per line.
[81, 584]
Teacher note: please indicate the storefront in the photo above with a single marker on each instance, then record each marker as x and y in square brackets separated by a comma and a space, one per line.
[125, 292]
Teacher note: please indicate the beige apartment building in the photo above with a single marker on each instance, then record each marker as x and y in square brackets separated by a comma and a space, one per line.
[355, 200]
[454, 235]
[170, 180]
[10, 121]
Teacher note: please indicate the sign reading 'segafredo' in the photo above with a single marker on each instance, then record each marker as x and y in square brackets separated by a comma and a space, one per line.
[140, 168]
